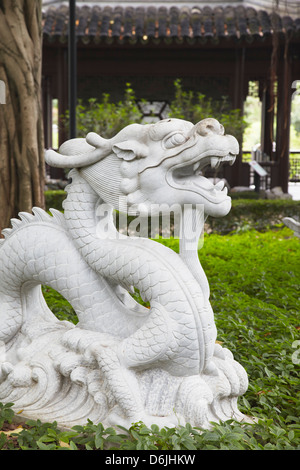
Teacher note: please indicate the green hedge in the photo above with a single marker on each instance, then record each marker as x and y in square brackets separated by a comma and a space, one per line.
[54, 199]
[244, 195]
[260, 214]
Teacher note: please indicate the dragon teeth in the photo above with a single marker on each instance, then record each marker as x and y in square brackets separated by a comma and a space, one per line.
[196, 166]
[220, 185]
[215, 161]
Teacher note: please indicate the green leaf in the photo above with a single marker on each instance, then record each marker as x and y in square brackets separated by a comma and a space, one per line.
[43, 446]
[99, 441]
[73, 446]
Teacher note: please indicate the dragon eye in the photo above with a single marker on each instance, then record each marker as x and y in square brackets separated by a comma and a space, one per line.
[174, 140]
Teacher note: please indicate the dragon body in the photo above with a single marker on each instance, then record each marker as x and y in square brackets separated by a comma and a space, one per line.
[122, 362]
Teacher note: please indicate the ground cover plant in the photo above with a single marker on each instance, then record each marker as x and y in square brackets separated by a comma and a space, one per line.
[254, 279]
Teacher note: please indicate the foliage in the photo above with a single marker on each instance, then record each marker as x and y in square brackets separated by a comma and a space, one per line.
[255, 290]
[230, 435]
[6, 413]
[54, 199]
[260, 214]
[196, 106]
[252, 114]
[104, 117]
[107, 118]
[247, 194]
[295, 116]
[59, 305]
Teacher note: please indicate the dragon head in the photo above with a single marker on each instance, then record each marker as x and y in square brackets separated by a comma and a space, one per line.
[151, 165]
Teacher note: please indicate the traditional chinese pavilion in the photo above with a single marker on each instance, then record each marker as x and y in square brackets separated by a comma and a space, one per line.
[215, 48]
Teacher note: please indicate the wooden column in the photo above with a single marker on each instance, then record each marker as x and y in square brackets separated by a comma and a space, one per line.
[284, 97]
[267, 119]
[239, 94]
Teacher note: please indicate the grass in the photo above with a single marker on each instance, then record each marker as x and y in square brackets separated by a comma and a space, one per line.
[255, 285]
[254, 279]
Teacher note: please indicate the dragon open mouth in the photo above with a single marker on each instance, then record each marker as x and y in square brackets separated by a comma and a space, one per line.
[189, 177]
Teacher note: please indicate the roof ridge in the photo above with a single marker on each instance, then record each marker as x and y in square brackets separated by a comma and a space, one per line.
[95, 22]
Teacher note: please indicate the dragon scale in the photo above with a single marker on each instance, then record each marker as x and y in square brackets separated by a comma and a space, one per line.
[175, 279]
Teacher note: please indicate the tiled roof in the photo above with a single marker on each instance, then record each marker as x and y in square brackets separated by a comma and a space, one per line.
[144, 24]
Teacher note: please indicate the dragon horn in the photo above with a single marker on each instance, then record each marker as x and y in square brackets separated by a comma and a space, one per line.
[75, 153]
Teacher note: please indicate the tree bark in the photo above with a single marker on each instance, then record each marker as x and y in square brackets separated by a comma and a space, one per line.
[22, 168]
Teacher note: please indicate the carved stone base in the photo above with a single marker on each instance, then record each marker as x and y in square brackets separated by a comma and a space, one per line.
[51, 381]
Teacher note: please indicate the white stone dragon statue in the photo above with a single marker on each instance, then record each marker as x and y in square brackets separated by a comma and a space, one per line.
[122, 362]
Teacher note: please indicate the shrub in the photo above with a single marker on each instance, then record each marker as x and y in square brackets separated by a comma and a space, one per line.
[244, 195]
[196, 106]
[259, 214]
[104, 117]
[54, 199]
[107, 118]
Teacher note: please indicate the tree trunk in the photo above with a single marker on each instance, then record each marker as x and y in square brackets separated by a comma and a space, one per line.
[22, 169]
